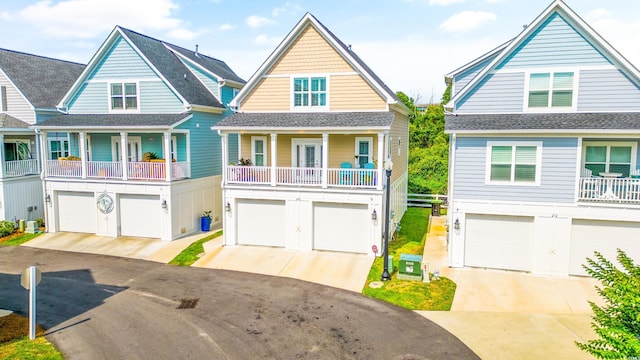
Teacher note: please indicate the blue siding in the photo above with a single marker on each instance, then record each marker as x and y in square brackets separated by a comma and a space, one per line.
[555, 43]
[607, 90]
[90, 98]
[101, 147]
[156, 97]
[122, 62]
[497, 93]
[227, 95]
[206, 154]
[558, 179]
[463, 79]
[210, 82]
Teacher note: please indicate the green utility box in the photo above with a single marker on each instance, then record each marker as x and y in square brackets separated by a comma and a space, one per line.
[390, 264]
[409, 268]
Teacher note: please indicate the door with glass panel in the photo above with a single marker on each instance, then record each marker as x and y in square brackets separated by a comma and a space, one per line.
[307, 155]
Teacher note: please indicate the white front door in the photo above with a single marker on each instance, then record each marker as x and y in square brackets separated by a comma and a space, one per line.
[134, 148]
[307, 153]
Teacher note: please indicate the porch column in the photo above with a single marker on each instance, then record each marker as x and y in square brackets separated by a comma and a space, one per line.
[166, 142]
[274, 157]
[325, 159]
[83, 153]
[2, 160]
[224, 138]
[41, 138]
[381, 160]
[123, 156]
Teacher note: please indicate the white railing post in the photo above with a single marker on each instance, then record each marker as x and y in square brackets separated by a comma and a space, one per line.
[83, 153]
[124, 160]
[325, 158]
[166, 137]
[274, 157]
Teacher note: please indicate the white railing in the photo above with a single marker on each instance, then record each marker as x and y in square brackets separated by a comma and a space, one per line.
[609, 190]
[113, 170]
[21, 167]
[359, 178]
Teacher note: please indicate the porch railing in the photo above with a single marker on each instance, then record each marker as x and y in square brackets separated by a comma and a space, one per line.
[297, 176]
[16, 168]
[154, 171]
[609, 190]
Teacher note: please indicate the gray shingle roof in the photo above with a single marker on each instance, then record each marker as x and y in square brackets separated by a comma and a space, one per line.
[44, 81]
[216, 66]
[117, 121]
[9, 122]
[305, 120]
[556, 121]
[176, 73]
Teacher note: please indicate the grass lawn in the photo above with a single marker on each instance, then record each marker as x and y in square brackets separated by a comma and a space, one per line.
[17, 238]
[412, 295]
[193, 252]
[15, 343]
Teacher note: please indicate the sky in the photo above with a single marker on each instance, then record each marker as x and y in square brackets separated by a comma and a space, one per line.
[410, 44]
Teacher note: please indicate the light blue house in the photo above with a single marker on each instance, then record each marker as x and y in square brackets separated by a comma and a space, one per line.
[133, 153]
[544, 146]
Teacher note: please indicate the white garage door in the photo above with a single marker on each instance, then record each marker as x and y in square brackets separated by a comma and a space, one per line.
[341, 227]
[77, 212]
[499, 242]
[261, 222]
[605, 237]
[140, 215]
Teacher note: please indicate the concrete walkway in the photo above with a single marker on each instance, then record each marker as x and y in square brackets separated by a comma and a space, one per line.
[512, 315]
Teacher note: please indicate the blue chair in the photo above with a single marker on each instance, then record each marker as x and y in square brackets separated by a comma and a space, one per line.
[345, 175]
[368, 177]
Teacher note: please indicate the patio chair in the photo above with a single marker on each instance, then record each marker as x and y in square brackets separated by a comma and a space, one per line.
[590, 186]
[345, 175]
[367, 177]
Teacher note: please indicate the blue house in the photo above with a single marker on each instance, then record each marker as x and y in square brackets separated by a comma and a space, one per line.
[30, 88]
[133, 153]
[544, 137]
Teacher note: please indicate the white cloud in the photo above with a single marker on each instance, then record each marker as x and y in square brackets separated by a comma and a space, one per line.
[226, 27]
[5, 16]
[288, 7]
[467, 20]
[598, 14]
[621, 34]
[182, 34]
[256, 21]
[70, 19]
[445, 2]
[265, 40]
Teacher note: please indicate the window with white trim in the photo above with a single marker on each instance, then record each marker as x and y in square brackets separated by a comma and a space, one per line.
[514, 163]
[58, 148]
[259, 150]
[124, 96]
[364, 151]
[17, 149]
[613, 157]
[549, 90]
[310, 92]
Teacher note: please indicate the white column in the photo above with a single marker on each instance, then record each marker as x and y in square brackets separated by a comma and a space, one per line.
[83, 153]
[274, 157]
[325, 159]
[166, 142]
[224, 139]
[2, 159]
[123, 156]
[42, 153]
[381, 160]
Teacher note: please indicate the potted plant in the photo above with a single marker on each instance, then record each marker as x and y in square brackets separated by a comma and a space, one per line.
[205, 221]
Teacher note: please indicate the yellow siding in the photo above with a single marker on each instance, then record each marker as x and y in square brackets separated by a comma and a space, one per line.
[310, 53]
[271, 94]
[399, 130]
[351, 92]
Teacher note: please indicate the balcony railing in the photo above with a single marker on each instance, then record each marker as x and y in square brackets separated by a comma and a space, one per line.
[297, 176]
[609, 190]
[16, 168]
[152, 171]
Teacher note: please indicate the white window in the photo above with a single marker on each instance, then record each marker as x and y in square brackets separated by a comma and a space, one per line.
[399, 143]
[364, 151]
[17, 149]
[58, 148]
[174, 148]
[88, 147]
[3, 98]
[124, 96]
[389, 146]
[259, 150]
[516, 163]
[310, 92]
[551, 90]
[613, 157]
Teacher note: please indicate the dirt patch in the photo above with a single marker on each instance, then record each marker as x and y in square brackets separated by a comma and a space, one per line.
[14, 326]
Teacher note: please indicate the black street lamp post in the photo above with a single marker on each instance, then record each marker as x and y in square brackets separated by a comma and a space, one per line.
[388, 166]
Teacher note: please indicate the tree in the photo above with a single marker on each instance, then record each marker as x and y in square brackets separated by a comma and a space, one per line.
[617, 323]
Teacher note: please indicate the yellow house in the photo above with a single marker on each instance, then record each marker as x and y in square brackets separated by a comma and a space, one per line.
[317, 132]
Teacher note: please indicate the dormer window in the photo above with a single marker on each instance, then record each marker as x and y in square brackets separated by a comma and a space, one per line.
[309, 92]
[550, 90]
[124, 96]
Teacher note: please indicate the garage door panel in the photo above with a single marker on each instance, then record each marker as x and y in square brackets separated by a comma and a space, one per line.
[499, 242]
[77, 212]
[140, 215]
[341, 227]
[261, 222]
[605, 237]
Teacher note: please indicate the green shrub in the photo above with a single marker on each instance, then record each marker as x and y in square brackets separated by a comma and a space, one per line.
[40, 222]
[7, 227]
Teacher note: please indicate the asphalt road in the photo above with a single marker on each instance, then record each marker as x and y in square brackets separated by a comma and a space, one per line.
[102, 307]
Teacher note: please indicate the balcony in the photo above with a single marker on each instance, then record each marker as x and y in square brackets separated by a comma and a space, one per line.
[609, 190]
[149, 171]
[297, 176]
[17, 168]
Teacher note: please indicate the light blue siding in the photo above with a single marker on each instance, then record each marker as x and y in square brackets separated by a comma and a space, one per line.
[607, 90]
[206, 154]
[558, 173]
[122, 62]
[156, 97]
[555, 43]
[497, 93]
[101, 147]
[227, 94]
[233, 147]
[91, 98]
[463, 79]
[208, 81]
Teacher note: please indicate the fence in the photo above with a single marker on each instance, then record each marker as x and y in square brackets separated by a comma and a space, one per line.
[426, 200]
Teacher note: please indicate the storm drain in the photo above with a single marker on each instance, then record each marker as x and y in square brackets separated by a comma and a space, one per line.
[188, 303]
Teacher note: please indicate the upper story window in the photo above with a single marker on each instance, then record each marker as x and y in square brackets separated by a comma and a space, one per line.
[515, 163]
[310, 92]
[124, 96]
[549, 90]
